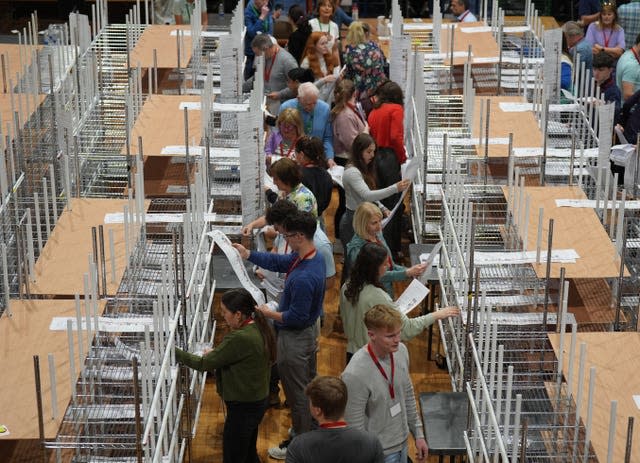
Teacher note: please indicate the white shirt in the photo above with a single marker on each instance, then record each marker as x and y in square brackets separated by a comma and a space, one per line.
[332, 29]
[467, 17]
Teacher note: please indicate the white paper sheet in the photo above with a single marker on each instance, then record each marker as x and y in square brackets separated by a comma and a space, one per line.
[118, 217]
[636, 399]
[386, 220]
[554, 152]
[213, 34]
[512, 107]
[190, 105]
[411, 169]
[106, 324]
[222, 241]
[336, 173]
[438, 140]
[475, 29]
[591, 203]
[412, 296]
[430, 258]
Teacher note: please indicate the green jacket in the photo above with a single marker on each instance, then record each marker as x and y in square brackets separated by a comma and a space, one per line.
[353, 317]
[242, 363]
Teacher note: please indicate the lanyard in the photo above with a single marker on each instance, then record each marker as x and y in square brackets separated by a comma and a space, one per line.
[248, 321]
[267, 71]
[297, 262]
[461, 18]
[357, 111]
[384, 375]
[606, 39]
[334, 424]
[265, 21]
[308, 125]
[291, 148]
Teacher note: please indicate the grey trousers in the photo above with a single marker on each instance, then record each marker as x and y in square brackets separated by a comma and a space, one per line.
[297, 367]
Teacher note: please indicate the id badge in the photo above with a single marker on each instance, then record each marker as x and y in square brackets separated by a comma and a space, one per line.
[395, 409]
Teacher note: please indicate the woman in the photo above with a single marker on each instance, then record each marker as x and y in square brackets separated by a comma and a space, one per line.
[339, 16]
[364, 61]
[281, 142]
[367, 224]
[605, 34]
[300, 34]
[348, 120]
[359, 181]
[317, 57]
[287, 177]
[309, 153]
[386, 125]
[363, 291]
[243, 362]
[323, 23]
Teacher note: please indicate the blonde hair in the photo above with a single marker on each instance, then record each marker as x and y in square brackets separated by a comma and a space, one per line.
[291, 116]
[355, 34]
[382, 317]
[363, 215]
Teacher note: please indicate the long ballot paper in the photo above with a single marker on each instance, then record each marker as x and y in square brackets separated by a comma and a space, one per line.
[237, 264]
[412, 296]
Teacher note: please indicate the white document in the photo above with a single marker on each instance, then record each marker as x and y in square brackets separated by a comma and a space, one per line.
[386, 220]
[181, 150]
[411, 169]
[118, 217]
[430, 258]
[222, 241]
[106, 324]
[554, 152]
[636, 399]
[336, 173]
[230, 107]
[213, 34]
[190, 105]
[591, 204]
[486, 59]
[412, 296]
[475, 29]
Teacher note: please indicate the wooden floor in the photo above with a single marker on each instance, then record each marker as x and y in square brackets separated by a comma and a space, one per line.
[207, 445]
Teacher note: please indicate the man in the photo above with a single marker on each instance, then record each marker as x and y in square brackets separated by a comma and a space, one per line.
[297, 318]
[277, 64]
[460, 8]
[577, 45]
[334, 442]
[602, 73]
[588, 11]
[629, 20]
[257, 20]
[628, 71]
[183, 11]
[381, 398]
[316, 117]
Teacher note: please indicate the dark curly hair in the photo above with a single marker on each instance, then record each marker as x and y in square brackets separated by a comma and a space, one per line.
[365, 270]
[388, 92]
[313, 150]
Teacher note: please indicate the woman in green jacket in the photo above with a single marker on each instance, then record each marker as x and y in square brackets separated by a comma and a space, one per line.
[243, 363]
[364, 290]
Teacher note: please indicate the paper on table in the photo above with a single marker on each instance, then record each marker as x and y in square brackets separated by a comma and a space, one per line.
[222, 241]
[412, 296]
[181, 150]
[336, 173]
[190, 105]
[213, 34]
[411, 169]
[475, 30]
[105, 324]
[149, 217]
[386, 220]
[636, 399]
[553, 152]
[429, 258]
[591, 203]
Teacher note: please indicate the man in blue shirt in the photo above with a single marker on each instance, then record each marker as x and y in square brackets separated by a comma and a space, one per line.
[316, 117]
[588, 11]
[577, 45]
[297, 317]
[257, 20]
[603, 64]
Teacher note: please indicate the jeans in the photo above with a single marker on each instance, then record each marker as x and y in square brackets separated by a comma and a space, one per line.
[397, 457]
[241, 431]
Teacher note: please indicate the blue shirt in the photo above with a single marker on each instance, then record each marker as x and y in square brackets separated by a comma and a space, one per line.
[319, 121]
[628, 70]
[588, 7]
[340, 18]
[254, 24]
[584, 49]
[303, 294]
[629, 20]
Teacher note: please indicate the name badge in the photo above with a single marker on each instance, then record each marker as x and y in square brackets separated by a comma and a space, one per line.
[395, 409]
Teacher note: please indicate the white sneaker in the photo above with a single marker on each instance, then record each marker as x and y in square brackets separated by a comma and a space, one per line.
[279, 452]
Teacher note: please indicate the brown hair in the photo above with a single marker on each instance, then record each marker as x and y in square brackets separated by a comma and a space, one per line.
[611, 8]
[382, 316]
[361, 143]
[388, 92]
[329, 394]
[287, 170]
[291, 116]
[342, 93]
[313, 150]
[312, 56]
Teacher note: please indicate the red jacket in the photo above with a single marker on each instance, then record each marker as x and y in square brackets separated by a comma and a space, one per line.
[386, 125]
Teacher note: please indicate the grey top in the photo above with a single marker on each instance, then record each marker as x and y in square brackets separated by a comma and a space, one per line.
[335, 445]
[283, 62]
[369, 405]
[357, 191]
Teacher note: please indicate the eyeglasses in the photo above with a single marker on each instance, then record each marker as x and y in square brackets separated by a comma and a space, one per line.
[289, 235]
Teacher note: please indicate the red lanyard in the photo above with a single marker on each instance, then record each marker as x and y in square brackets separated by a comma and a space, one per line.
[334, 424]
[358, 113]
[248, 321]
[464, 16]
[297, 262]
[267, 71]
[384, 375]
[606, 39]
[292, 147]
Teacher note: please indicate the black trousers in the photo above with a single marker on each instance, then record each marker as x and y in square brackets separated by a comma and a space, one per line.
[388, 173]
[240, 432]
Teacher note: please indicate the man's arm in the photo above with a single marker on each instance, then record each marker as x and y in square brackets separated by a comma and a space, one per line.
[627, 90]
[358, 394]
[301, 289]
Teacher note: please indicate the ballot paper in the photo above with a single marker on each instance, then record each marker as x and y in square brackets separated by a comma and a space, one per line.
[591, 204]
[412, 296]
[475, 30]
[336, 173]
[222, 241]
[429, 259]
[386, 220]
[212, 34]
[636, 399]
[411, 169]
[105, 324]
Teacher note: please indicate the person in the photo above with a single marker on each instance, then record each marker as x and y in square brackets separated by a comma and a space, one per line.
[363, 290]
[183, 11]
[629, 20]
[367, 225]
[603, 65]
[288, 178]
[334, 441]
[381, 398]
[242, 361]
[277, 64]
[359, 181]
[309, 154]
[605, 34]
[460, 8]
[297, 315]
[257, 19]
[282, 141]
[566, 71]
[317, 57]
[315, 116]
[577, 44]
[364, 61]
[323, 23]
[339, 16]
[588, 11]
[628, 71]
[300, 34]
[295, 77]
[386, 124]
[348, 120]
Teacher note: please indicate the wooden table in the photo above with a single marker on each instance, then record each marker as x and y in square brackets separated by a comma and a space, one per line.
[16, 58]
[65, 258]
[158, 37]
[161, 123]
[577, 228]
[25, 334]
[615, 356]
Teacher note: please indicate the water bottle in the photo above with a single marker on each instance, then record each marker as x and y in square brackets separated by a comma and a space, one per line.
[354, 11]
[221, 8]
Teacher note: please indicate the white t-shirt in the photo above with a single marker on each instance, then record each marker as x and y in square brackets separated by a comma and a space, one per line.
[331, 28]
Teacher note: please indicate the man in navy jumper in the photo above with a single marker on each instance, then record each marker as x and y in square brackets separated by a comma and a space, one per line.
[297, 317]
[257, 20]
